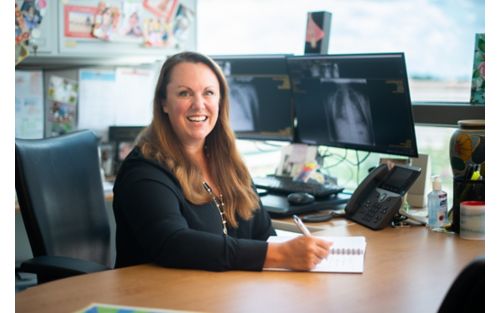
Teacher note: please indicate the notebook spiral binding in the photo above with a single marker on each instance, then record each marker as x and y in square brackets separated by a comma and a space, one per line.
[347, 251]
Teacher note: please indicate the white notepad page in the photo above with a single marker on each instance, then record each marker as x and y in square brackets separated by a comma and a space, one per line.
[347, 255]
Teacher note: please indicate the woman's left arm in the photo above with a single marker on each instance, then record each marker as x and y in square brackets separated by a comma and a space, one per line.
[262, 224]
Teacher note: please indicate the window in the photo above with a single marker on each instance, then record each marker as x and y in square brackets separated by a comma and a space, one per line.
[437, 36]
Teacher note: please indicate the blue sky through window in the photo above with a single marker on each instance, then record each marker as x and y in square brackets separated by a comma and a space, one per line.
[437, 36]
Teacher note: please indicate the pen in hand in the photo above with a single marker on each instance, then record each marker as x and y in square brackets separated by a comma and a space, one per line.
[301, 226]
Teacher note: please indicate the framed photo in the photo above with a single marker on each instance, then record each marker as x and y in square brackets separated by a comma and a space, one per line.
[78, 21]
[478, 71]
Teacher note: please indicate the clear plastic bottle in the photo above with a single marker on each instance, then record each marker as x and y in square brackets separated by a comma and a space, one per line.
[437, 205]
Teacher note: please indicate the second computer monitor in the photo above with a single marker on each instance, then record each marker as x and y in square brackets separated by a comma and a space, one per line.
[356, 101]
[260, 96]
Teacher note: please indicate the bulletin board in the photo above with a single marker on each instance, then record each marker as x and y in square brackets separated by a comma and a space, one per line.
[37, 21]
[126, 27]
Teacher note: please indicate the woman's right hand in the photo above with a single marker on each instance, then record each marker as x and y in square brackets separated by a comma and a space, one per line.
[302, 253]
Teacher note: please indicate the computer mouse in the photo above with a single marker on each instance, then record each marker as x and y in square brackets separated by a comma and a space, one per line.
[321, 217]
[300, 198]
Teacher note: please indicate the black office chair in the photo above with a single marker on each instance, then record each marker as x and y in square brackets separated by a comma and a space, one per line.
[61, 198]
[467, 293]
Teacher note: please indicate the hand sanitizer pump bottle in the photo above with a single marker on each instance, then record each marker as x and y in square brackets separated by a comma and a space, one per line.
[437, 205]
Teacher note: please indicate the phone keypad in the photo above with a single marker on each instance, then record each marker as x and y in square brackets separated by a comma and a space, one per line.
[377, 210]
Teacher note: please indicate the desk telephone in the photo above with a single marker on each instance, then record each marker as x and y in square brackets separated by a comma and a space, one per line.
[379, 197]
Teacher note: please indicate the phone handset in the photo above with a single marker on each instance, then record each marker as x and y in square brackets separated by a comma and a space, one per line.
[365, 188]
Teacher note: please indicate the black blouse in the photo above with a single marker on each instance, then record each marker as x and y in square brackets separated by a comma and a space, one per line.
[155, 223]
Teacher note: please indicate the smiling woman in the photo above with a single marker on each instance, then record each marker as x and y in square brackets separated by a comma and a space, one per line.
[183, 197]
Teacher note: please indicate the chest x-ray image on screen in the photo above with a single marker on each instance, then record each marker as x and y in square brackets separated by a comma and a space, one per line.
[348, 113]
[244, 104]
[259, 95]
[346, 105]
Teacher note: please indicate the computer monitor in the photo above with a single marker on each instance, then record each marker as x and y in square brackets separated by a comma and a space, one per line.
[354, 101]
[122, 138]
[260, 96]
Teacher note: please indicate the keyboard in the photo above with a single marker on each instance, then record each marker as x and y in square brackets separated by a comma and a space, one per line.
[278, 206]
[286, 185]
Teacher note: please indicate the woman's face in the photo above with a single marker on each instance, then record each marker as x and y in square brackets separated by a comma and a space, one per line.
[192, 102]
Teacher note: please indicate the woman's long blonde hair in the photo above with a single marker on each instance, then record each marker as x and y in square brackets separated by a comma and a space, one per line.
[159, 142]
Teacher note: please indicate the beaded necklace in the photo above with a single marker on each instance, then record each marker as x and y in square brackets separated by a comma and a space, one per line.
[219, 203]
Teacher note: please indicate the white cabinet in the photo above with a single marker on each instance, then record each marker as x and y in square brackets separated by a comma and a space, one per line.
[83, 32]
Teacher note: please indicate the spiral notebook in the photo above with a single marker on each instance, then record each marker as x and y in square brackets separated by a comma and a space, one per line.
[347, 254]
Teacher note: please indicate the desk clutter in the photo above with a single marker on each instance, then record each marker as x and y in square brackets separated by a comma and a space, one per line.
[467, 160]
[373, 204]
[299, 185]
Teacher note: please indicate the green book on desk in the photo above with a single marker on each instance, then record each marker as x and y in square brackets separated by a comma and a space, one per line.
[347, 254]
[112, 308]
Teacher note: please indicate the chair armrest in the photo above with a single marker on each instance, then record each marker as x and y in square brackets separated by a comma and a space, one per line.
[49, 268]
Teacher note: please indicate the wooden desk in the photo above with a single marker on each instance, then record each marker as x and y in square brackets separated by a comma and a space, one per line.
[406, 270]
